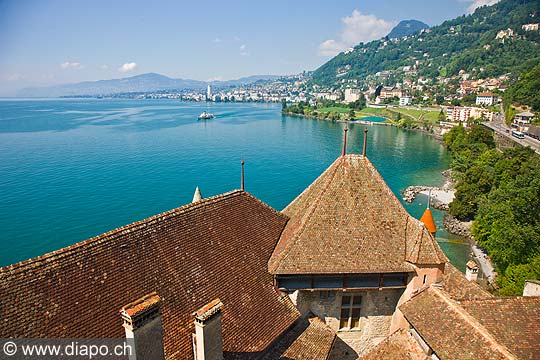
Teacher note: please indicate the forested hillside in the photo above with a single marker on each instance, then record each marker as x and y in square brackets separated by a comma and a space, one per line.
[526, 91]
[466, 43]
[501, 192]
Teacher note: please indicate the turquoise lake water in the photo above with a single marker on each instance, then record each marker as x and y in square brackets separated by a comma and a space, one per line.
[73, 169]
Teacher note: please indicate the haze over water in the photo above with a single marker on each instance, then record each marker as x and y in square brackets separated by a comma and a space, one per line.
[72, 169]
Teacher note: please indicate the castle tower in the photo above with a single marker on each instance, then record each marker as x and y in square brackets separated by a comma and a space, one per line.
[472, 271]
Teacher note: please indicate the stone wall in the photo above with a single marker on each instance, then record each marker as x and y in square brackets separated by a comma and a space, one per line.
[378, 306]
[504, 142]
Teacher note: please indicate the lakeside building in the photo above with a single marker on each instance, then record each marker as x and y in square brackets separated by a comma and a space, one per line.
[352, 95]
[342, 272]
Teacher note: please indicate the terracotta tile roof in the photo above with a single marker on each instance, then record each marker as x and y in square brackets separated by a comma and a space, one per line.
[314, 343]
[217, 247]
[398, 346]
[453, 332]
[459, 288]
[514, 322]
[308, 339]
[349, 221]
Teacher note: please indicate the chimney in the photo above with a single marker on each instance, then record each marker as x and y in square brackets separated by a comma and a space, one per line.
[344, 150]
[471, 273]
[197, 195]
[143, 325]
[532, 288]
[365, 142]
[208, 341]
[242, 176]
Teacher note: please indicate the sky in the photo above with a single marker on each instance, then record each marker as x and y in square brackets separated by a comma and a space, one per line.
[49, 42]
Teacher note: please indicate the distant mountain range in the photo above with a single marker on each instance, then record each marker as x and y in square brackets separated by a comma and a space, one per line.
[407, 28]
[140, 83]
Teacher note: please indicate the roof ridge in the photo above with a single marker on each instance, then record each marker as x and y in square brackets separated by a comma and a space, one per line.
[413, 254]
[40, 260]
[501, 299]
[474, 323]
[253, 197]
[302, 225]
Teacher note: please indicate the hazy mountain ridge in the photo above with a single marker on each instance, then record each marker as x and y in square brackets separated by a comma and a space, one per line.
[140, 83]
[407, 28]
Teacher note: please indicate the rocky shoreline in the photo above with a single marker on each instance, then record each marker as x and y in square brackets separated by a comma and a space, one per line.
[457, 227]
[441, 197]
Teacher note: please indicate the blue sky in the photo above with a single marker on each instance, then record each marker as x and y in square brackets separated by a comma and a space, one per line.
[45, 42]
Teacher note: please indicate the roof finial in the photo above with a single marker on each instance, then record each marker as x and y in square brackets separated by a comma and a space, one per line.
[242, 176]
[365, 142]
[343, 151]
[197, 195]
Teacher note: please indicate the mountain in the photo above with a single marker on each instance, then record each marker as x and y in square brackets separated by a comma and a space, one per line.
[140, 83]
[407, 28]
[245, 80]
[472, 43]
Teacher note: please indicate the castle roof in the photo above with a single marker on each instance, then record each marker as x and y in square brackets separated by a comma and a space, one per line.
[493, 328]
[349, 221]
[459, 288]
[185, 258]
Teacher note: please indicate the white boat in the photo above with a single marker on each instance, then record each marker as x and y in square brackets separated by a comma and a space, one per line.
[205, 115]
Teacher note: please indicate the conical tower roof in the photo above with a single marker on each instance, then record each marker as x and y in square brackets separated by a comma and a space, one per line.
[427, 219]
[349, 221]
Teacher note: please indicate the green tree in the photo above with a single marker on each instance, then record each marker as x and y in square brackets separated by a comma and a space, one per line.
[442, 115]
[352, 114]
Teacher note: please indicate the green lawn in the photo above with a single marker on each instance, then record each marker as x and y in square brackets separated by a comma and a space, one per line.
[431, 116]
[339, 109]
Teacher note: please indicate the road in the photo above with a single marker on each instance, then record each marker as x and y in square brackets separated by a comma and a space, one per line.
[500, 128]
[485, 263]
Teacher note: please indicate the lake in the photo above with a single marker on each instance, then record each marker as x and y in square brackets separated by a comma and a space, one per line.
[75, 168]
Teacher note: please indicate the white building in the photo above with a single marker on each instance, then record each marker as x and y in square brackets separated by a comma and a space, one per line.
[530, 27]
[486, 99]
[352, 95]
[405, 100]
[209, 92]
[462, 114]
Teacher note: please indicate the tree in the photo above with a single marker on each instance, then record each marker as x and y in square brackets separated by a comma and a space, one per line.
[283, 105]
[442, 115]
